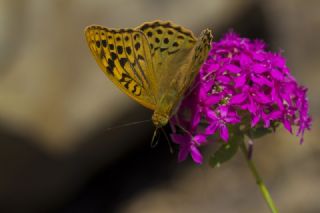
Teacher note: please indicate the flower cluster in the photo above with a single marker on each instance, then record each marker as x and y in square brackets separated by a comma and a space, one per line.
[240, 83]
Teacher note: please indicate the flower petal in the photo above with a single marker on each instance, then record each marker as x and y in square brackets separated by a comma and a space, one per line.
[180, 139]
[196, 155]
[238, 99]
[183, 153]
[199, 139]
[259, 68]
[224, 133]
[232, 68]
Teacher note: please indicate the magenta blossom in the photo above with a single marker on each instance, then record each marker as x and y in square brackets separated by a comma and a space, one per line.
[240, 83]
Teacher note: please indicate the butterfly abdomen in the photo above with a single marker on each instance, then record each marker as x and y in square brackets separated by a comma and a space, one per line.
[165, 106]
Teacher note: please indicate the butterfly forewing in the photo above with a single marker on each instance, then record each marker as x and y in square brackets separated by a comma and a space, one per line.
[177, 56]
[124, 56]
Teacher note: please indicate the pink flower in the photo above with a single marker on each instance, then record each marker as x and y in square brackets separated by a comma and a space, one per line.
[239, 82]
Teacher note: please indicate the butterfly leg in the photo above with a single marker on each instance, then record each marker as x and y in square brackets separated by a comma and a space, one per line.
[155, 138]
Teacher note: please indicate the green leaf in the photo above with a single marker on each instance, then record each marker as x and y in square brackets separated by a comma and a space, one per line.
[259, 132]
[225, 152]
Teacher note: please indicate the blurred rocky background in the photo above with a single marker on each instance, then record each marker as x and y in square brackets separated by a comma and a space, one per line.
[57, 153]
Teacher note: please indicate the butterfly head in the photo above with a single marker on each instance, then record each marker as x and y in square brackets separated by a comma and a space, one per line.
[160, 120]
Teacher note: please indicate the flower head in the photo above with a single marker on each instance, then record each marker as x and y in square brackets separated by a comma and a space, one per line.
[240, 83]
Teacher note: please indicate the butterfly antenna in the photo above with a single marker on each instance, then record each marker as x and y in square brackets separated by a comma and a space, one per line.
[186, 131]
[167, 138]
[128, 124]
[155, 139]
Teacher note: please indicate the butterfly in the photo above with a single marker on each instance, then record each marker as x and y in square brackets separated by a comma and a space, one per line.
[154, 63]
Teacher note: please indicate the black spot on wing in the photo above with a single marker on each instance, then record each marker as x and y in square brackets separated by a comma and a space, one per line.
[149, 34]
[128, 50]
[111, 64]
[104, 43]
[126, 85]
[120, 49]
[140, 57]
[136, 36]
[109, 70]
[123, 61]
[137, 46]
[166, 25]
[113, 55]
[163, 49]
[144, 27]
[125, 80]
[134, 89]
[110, 67]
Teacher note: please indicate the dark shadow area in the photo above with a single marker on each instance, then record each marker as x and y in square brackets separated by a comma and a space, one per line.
[141, 168]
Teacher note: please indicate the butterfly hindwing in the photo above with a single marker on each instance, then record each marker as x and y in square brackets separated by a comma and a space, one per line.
[124, 56]
[169, 45]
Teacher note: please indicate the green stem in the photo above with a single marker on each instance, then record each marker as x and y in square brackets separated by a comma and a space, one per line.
[263, 189]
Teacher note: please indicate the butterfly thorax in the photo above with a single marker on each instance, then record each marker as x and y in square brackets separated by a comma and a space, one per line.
[160, 119]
